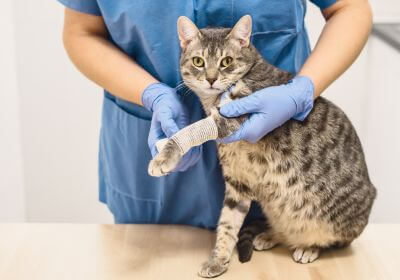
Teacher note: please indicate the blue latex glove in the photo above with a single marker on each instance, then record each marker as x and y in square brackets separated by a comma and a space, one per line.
[169, 116]
[269, 108]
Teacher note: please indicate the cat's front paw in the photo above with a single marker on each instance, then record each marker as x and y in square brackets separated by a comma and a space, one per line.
[213, 267]
[166, 160]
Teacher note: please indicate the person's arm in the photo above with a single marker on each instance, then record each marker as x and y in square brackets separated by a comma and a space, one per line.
[348, 25]
[342, 39]
[86, 41]
[85, 38]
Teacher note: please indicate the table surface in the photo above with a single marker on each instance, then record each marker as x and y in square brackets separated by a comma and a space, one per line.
[90, 251]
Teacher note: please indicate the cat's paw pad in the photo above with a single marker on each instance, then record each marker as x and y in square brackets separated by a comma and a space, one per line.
[308, 255]
[157, 169]
[263, 242]
[213, 268]
[165, 161]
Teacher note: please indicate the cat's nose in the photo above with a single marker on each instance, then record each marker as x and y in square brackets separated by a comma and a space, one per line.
[211, 80]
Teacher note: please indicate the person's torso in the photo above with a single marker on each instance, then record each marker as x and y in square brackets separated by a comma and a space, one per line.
[146, 31]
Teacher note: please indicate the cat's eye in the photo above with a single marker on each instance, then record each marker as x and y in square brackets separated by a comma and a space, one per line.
[226, 61]
[198, 61]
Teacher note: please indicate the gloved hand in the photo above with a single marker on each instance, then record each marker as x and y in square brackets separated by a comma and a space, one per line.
[169, 116]
[269, 108]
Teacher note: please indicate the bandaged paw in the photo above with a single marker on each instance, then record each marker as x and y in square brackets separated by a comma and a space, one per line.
[192, 135]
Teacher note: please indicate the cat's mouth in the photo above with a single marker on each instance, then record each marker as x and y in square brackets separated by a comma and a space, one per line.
[213, 90]
[217, 90]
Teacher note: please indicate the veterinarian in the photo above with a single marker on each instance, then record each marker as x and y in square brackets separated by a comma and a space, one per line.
[131, 49]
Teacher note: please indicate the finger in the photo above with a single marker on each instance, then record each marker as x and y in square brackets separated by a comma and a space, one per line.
[184, 163]
[155, 134]
[189, 159]
[256, 127]
[168, 124]
[235, 136]
[195, 156]
[248, 104]
[182, 119]
[153, 150]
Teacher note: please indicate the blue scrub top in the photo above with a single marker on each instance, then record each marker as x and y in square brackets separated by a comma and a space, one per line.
[146, 31]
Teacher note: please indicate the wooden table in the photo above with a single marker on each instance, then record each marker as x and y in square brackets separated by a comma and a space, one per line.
[89, 251]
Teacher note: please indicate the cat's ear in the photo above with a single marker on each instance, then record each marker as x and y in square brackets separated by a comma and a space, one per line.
[242, 31]
[187, 31]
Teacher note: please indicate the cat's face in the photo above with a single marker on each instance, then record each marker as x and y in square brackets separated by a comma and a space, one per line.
[213, 59]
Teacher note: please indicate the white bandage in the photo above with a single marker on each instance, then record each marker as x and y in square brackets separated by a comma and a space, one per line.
[193, 135]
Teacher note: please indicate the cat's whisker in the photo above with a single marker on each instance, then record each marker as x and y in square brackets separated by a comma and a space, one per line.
[187, 93]
[180, 85]
[183, 88]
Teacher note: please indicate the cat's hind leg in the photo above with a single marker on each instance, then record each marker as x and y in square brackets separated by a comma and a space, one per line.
[246, 238]
[310, 254]
[265, 241]
[233, 213]
[257, 235]
[306, 255]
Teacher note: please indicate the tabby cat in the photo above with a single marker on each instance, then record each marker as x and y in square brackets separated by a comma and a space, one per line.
[309, 177]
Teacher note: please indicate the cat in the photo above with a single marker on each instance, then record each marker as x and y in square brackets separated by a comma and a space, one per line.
[309, 177]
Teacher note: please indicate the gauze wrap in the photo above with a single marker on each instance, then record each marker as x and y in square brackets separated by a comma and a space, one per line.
[198, 132]
[193, 135]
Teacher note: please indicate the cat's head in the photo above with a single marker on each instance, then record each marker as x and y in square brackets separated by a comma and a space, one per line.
[213, 59]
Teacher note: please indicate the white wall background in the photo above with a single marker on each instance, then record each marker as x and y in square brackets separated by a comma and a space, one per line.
[50, 118]
[12, 197]
[386, 10]
[60, 113]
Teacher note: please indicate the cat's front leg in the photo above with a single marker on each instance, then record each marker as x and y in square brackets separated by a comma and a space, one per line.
[166, 160]
[232, 216]
[180, 143]
[213, 127]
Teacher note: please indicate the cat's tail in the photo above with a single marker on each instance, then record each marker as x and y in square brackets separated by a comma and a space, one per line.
[246, 238]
